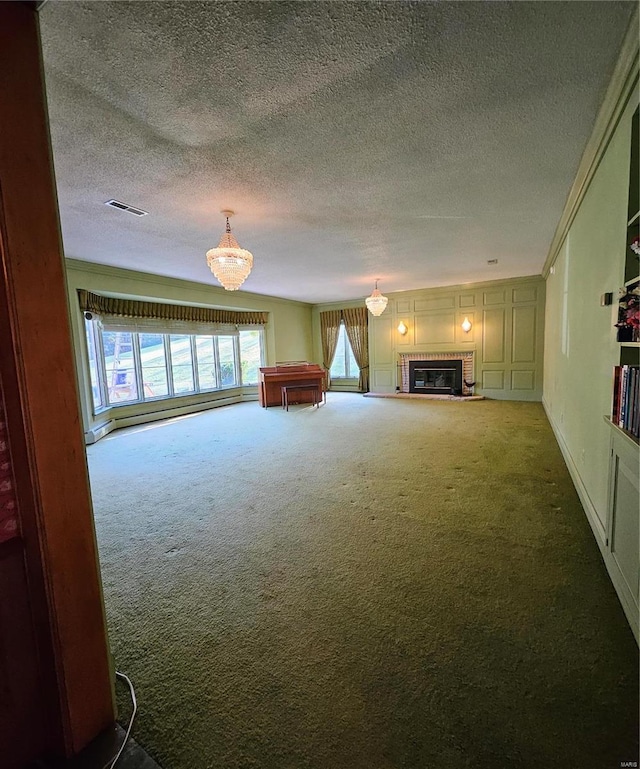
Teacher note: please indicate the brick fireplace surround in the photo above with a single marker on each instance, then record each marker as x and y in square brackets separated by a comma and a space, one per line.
[465, 357]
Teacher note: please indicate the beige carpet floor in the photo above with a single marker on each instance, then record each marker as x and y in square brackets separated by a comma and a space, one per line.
[374, 584]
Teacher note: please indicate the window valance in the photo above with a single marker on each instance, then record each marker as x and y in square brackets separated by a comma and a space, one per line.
[113, 311]
[160, 326]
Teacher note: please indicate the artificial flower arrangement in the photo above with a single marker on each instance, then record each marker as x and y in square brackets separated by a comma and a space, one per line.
[628, 324]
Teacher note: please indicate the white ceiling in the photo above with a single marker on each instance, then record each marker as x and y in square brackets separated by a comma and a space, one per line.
[406, 141]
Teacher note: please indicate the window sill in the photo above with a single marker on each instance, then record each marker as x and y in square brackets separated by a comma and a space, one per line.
[169, 399]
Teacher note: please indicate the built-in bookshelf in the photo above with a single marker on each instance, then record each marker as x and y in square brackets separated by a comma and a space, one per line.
[628, 324]
[625, 408]
[622, 523]
[625, 405]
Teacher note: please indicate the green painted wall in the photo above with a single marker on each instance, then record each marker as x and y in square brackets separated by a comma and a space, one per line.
[288, 333]
[506, 337]
[580, 338]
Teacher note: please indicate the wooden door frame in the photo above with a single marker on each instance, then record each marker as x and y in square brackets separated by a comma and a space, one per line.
[37, 371]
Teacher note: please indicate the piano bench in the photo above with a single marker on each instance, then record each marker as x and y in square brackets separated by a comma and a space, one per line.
[287, 390]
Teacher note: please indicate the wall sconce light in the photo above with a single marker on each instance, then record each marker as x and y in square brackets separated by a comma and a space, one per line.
[402, 329]
[466, 325]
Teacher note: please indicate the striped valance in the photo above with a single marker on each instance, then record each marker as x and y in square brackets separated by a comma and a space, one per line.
[132, 308]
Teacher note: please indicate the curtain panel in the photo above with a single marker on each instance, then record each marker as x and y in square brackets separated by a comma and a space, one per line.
[356, 323]
[329, 330]
[132, 308]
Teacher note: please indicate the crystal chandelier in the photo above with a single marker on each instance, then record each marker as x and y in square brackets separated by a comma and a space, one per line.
[228, 262]
[376, 302]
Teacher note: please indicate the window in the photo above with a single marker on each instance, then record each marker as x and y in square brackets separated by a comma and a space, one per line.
[227, 360]
[153, 363]
[250, 355]
[181, 364]
[119, 364]
[129, 366]
[94, 366]
[344, 364]
[206, 363]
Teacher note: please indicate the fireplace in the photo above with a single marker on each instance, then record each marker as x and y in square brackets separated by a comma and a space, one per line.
[435, 377]
[437, 360]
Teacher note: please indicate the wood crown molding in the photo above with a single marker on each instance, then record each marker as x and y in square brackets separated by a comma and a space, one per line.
[623, 81]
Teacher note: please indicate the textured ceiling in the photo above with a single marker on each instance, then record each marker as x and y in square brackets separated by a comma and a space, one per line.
[410, 142]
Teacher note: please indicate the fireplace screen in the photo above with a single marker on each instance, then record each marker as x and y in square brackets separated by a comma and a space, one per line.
[441, 377]
[427, 379]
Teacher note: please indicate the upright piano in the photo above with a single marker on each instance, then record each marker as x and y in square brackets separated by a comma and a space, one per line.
[273, 378]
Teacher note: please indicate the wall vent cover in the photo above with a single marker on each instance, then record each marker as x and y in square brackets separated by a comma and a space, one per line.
[124, 207]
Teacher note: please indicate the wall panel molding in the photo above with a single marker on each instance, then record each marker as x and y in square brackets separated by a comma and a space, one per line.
[507, 319]
[493, 336]
[523, 334]
[434, 303]
[523, 380]
[524, 294]
[382, 331]
[493, 297]
[435, 328]
[467, 300]
[492, 380]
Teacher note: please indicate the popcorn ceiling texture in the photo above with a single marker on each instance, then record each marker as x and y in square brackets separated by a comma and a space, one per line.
[405, 141]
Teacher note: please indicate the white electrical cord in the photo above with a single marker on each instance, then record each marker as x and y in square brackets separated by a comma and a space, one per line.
[112, 763]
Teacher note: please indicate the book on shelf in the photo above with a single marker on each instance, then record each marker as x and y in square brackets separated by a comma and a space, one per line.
[625, 404]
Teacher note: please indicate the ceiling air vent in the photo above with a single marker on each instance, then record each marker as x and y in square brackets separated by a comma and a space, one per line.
[124, 207]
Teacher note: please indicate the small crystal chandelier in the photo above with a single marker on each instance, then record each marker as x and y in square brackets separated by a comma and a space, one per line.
[228, 262]
[376, 302]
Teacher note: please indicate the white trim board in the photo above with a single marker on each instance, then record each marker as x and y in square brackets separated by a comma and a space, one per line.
[115, 422]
